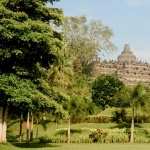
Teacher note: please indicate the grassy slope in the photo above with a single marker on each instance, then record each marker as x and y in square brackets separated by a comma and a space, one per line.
[52, 127]
[142, 130]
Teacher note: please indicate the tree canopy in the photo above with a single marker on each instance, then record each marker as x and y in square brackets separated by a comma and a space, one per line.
[30, 43]
[104, 89]
[85, 40]
[27, 39]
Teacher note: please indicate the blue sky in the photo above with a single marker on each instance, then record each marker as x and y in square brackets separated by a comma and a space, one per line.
[129, 20]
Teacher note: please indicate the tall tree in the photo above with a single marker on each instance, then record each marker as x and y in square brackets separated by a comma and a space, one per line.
[131, 97]
[104, 89]
[29, 43]
[138, 97]
[85, 40]
[13, 92]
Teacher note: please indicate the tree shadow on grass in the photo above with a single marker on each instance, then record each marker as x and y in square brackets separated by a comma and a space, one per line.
[34, 145]
[125, 125]
[12, 138]
[147, 133]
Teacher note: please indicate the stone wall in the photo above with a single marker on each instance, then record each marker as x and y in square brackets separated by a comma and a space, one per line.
[128, 69]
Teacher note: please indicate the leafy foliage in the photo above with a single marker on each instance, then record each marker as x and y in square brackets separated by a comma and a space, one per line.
[14, 90]
[85, 40]
[27, 39]
[104, 89]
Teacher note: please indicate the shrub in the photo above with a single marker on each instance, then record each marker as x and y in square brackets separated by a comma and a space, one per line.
[120, 116]
[98, 136]
[45, 139]
[109, 136]
[98, 119]
[92, 119]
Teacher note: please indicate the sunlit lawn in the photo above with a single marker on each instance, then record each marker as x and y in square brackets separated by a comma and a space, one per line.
[78, 147]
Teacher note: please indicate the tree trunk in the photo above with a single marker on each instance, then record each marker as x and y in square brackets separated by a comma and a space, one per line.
[5, 113]
[69, 127]
[3, 124]
[31, 127]
[137, 117]
[37, 128]
[21, 125]
[137, 110]
[28, 127]
[132, 127]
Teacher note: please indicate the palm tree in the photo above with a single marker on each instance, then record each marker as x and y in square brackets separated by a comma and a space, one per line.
[139, 97]
[136, 97]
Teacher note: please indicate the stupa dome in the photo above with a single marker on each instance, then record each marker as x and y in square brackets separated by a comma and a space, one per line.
[127, 56]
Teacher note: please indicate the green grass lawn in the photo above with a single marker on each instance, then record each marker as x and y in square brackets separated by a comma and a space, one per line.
[142, 131]
[78, 147]
[51, 128]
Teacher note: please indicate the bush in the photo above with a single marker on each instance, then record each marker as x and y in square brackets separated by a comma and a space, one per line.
[98, 119]
[98, 136]
[92, 119]
[45, 139]
[120, 116]
[109, 136]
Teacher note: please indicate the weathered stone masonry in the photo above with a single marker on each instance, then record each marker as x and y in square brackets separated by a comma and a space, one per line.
[128, 68]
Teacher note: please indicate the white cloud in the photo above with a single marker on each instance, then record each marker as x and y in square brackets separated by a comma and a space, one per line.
[137, 3]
